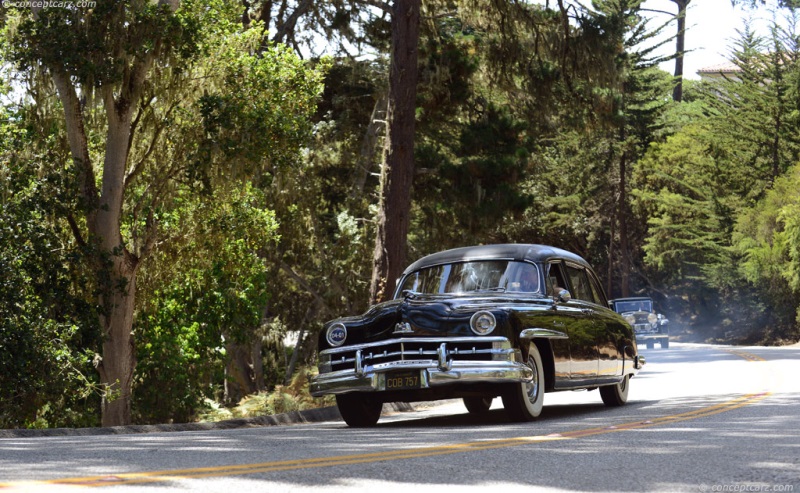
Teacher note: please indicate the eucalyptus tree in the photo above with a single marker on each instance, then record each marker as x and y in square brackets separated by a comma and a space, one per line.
[56, 39]
[148, 115]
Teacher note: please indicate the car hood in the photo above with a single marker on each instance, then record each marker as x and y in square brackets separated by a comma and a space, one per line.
[424, 315]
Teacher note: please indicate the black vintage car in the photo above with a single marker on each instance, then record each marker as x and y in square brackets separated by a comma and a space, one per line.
[650, 326]
[476, 323]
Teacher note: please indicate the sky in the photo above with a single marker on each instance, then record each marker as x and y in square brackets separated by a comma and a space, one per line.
[712, 26]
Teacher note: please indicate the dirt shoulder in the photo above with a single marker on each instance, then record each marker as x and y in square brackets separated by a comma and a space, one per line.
[308, 416]
[295, 417]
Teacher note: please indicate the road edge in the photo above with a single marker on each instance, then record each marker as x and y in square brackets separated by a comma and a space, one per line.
[295, 417]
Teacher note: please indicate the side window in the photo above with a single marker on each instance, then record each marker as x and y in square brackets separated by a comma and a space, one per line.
[597, 289]
[556, 280]
[580, 284]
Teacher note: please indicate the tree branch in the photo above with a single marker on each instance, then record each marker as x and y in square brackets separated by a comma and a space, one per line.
[135, 124]
[76, 135]
[288, 25]
[151, 235]
[136, 169]
[76, 231]
[384, 6]
[304, 284]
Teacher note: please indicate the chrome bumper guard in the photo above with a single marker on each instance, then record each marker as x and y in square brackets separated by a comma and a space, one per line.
[505, 365]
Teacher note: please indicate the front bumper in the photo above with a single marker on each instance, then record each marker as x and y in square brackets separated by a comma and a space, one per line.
[641, 336]
[449, 367]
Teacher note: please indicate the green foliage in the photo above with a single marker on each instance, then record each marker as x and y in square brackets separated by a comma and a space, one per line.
[579, 172]
[213, 295]
[767, 239]
[113, 33]
[218, 107]
[46, 320]
[680, 189]
[713, 192]
[472, 149]
[259, 99]
[283, 399]
[470, 183]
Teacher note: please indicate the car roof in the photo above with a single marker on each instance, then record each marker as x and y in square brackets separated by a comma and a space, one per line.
[510, 251]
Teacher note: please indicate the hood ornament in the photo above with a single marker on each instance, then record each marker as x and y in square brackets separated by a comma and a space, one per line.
[403, 328]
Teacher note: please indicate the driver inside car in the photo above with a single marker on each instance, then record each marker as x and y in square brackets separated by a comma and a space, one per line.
[527, 281]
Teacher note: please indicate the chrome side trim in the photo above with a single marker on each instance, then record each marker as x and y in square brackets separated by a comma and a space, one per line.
[535, 333]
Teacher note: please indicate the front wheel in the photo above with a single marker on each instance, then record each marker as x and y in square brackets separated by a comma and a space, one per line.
[616, 395]
[359, 410]
[524, 401]
[478, 405]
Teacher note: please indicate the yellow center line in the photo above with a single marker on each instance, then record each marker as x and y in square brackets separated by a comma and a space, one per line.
[287, 465]
[745, 355]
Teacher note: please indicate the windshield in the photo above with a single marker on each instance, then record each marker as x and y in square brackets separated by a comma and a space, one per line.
[485, 275]
[634, 306]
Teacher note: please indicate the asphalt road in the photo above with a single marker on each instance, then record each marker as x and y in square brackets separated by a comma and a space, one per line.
[699, 418]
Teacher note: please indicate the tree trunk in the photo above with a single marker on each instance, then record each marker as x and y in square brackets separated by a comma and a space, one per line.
[680, 47]
[366, 156]
[115, 268]
[244, 373]
[119, 357]
[290, 367]
[117, 272]
[624, 254]
[398, 171]
[611, 256]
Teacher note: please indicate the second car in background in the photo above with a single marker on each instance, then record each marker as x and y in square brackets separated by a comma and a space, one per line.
[650, 326]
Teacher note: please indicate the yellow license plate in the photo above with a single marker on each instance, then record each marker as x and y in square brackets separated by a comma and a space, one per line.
[403, 380]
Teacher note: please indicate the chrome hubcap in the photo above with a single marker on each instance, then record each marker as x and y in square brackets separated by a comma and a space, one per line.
[532, 388]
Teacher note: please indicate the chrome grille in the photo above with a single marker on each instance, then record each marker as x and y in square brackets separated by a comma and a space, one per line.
[414, 349]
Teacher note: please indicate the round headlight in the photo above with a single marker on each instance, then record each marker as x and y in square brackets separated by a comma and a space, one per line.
[652, 318]
[336, 334]
[483, 323]
[630, 319]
